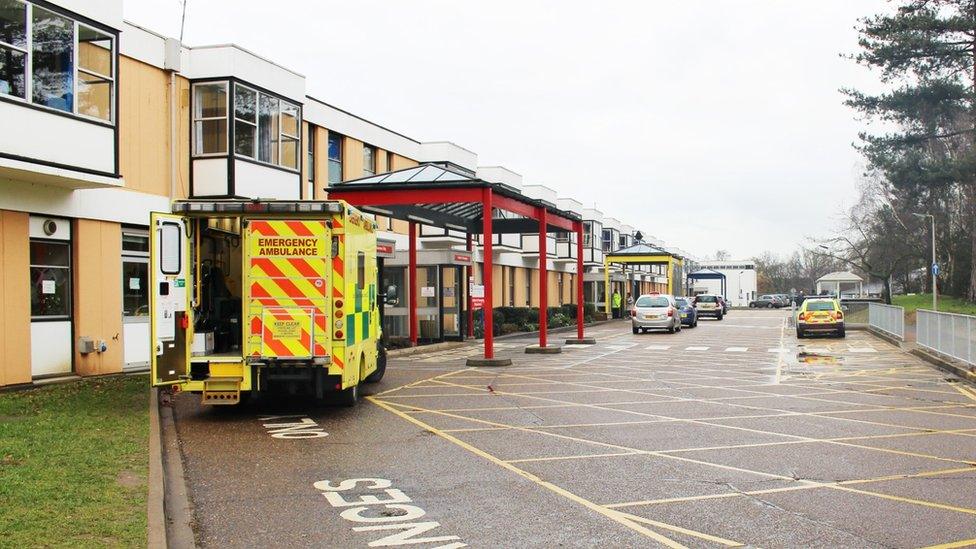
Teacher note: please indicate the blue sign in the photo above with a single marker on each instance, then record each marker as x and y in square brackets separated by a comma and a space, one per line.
[935, 269]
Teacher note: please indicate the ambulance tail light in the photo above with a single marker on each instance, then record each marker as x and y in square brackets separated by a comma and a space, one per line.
[839, 315]
[339, 334]
[801, 316]
[338, 304]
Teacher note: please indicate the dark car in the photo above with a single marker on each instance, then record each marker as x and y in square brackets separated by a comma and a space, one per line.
[689, 315]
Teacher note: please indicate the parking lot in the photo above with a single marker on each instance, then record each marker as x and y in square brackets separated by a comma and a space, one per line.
[728, 434]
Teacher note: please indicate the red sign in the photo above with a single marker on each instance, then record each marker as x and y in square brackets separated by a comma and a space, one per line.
[462, 258]
[384, 248]
[477, 303]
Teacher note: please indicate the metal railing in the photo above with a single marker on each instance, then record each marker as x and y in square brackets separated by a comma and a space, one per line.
[950, 334]
[887, 318]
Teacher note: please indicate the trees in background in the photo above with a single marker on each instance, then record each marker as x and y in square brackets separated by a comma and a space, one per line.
[799, 271]
[923, 158]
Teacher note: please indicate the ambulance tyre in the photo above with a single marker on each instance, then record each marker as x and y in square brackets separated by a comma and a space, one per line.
[349, 397]
[380, 367]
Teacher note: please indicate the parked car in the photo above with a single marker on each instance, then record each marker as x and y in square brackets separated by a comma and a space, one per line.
[655, 312]
[709, 305]
[820, 315]
[686, 306]
[784, 299]
[725, 304]
[767, 301]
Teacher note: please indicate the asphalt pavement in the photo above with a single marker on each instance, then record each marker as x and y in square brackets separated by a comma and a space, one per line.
[729, 434]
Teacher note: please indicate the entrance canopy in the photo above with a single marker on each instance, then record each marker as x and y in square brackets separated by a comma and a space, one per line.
[708, 274]
[450, 199]
[837, 279]
[641, 254]
[445, 196]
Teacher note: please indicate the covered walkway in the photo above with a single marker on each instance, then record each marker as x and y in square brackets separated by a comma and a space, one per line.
[453, 199]
[642, 254]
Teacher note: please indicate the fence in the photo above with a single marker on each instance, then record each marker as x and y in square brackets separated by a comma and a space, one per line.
[887, 318]
[949, 334]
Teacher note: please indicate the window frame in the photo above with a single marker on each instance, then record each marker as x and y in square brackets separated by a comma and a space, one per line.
[226, 118]
[310, 154]
[69, 280]
[76, 22]
[371, 168]
[135, 256]
[179, 255]
[338, 161]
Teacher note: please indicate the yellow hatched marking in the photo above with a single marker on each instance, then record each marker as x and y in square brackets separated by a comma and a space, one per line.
[966, 391]
[687, 532]
[954, 544]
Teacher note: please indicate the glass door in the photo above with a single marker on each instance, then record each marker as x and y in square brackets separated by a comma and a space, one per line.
[451, 299]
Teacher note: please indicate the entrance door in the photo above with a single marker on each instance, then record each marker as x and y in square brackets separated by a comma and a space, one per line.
[451, 300]
[51, 296]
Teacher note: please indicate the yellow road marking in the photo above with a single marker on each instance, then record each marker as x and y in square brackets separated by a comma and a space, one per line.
[680, 530]
[965, 391]
[588, 456]
[954, 544]
[906, 500]
[617, 517]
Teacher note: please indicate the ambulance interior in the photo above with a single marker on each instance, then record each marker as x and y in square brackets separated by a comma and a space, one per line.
[217, 316]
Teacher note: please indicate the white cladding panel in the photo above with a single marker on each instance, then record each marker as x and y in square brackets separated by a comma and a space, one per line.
[107, 12]
[50, 348]
[60, 228]
[117, 205]
[256, 181]
[135, 340]
[445, 151]
[500, 174]
[49, 137]
[230, 60]
[143, 45]
[540, 192]
[210, 177]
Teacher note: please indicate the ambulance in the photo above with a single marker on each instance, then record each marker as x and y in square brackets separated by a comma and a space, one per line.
[264, 296]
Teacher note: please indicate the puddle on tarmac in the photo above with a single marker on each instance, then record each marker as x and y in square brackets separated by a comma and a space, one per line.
[809, 357]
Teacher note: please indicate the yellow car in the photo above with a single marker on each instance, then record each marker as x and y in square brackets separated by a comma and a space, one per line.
[819, 316]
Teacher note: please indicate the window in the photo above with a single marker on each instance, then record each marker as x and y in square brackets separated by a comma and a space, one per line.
[210, 118]
[291, 127]
[607, 240]
[369, 160]
[52, 61]
[135, 275]
[245, 122]
[528, 288]
[335, 158]
[588, 234]
[268, 129]
[310, 154]
[13, 48]
[560, 281]
[170, 249]
[389, 161]
[50, 273]
[95, 83]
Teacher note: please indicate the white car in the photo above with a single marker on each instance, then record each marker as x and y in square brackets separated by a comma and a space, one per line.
[655, 312]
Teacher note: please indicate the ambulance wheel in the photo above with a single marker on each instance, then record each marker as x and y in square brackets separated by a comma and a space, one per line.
[349, 397]
[380, 367]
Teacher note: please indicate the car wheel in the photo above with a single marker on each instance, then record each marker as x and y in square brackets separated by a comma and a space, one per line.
[842, 333]
[636, 331]
[799, 334]
[671, 329]
[349, 397]
[377, 374]
[718, 316]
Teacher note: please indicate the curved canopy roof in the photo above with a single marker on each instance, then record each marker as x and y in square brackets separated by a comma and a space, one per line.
[706, 274]
[840, 276]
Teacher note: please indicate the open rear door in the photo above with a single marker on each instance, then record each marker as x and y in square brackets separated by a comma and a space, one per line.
[169, 301]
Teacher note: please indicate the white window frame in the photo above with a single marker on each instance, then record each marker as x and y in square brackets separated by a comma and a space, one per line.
[29, 67]
[233, 101]
[370, 170]
[225, 118]
[132, 256]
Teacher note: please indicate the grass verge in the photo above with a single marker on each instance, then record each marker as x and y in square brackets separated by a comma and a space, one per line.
[73, 464]
[947, 304]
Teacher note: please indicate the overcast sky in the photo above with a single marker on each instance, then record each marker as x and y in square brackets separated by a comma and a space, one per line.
[708, 124]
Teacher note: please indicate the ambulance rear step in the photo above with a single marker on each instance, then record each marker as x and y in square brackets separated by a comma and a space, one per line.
[222, 390]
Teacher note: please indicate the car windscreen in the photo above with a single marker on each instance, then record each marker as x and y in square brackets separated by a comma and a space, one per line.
[646, 301]
[707, 299]
[820, 305]
[681, 302]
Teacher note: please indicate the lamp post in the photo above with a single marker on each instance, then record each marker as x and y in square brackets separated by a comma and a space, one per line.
[740, 288]
[935, 267]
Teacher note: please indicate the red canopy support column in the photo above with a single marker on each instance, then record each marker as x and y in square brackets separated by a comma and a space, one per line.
[543, 278]
[412, 314]
[487, 237]
[468, 272]
[580, 340]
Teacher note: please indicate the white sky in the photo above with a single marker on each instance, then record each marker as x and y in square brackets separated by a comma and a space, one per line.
[709, 124]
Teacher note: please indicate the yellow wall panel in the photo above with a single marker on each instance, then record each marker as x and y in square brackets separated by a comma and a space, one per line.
[352, 159]
[15, 338]
[97, 294]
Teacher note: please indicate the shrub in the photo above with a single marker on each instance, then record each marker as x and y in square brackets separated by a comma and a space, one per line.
[508, 328]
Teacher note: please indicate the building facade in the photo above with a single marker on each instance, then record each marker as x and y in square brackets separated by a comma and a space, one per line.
[114, 121]
[740, 281]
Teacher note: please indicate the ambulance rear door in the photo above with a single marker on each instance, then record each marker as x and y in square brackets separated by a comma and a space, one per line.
[169, 299]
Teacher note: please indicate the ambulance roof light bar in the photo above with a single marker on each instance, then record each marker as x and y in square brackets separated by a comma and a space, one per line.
[256, 206]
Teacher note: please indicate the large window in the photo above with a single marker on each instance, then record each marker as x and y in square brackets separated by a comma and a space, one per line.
[587, 234]
[511, 286]
[50, 272]
[135, 275]
[369, 160]
[55, 62]
[335, 158]
[266, 128]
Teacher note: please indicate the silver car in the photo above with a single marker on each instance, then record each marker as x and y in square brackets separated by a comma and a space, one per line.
[655, 312]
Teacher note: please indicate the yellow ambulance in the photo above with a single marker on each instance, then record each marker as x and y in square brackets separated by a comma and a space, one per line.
[264, 296]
